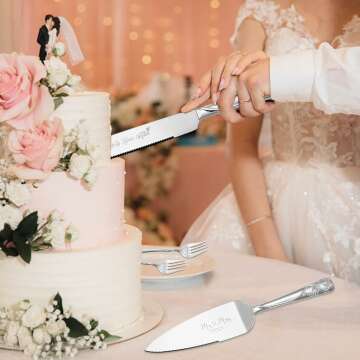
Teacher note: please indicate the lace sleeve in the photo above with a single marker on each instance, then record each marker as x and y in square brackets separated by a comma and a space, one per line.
[264, 11]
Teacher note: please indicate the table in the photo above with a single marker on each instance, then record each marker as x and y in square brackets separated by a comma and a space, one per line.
[326, 328]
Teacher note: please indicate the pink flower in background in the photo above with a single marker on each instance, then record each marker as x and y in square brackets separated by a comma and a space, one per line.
[24, 103]
[36, 151]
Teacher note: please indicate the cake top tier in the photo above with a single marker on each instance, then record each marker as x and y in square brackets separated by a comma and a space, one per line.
[90, 110]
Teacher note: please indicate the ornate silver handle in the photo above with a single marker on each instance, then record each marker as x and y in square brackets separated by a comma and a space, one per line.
[212, 110]
[321, 287]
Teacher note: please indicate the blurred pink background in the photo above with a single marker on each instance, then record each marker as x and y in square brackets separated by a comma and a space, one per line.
[125, 41]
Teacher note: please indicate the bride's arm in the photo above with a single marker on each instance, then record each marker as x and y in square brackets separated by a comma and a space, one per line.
[247, 177]
[246, 168]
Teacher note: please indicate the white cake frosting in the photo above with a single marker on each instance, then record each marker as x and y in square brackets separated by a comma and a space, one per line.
[103, 282]
[94, 108]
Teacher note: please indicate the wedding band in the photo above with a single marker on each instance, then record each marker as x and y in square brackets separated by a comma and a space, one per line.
[244, 101]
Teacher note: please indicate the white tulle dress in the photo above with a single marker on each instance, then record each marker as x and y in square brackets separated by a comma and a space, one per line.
[313, 176]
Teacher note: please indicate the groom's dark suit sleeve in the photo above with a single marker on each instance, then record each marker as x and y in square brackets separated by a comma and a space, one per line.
[43, 36]
[42, 40]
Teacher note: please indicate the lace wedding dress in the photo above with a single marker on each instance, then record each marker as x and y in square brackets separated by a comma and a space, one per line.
[313, 177]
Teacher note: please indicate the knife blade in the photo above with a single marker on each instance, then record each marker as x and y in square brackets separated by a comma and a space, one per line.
[161, 130]
[229, 320]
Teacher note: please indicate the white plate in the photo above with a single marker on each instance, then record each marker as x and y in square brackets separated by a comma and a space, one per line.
[197, 266]
[151, 317]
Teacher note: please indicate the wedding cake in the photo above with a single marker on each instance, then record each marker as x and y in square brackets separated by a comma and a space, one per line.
[69, 266]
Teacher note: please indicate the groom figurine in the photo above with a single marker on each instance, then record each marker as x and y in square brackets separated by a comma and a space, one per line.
[43, 36]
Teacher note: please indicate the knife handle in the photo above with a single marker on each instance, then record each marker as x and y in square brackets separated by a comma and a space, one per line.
[321, 287]
[212, 109]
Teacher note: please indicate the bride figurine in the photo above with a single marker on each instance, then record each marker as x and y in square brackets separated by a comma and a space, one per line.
[62, 30]
[303, 203]
[53, 35]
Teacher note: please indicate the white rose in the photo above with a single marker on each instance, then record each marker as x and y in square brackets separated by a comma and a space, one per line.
[79, 165]
[58, 72]
[61, 326]
[10, 215]
[19, 194]
[59, 49]
[4, 324]
[55, 215]
[24, 304]
[67, 90]
[34, 317]
[57, 233]
[72, 233]
[74, 80]
[30, 350]
[55, 328]
[24, 337]
[41, 336]
[91, 177]
[10, 337]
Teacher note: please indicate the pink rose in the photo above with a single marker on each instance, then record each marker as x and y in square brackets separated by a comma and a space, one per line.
[24, 103]
[36, 151]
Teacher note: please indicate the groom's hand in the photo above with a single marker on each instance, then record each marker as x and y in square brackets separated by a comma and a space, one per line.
[253, 85]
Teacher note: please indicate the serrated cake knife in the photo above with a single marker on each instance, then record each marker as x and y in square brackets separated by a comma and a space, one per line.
[161, 130]
[229, 320]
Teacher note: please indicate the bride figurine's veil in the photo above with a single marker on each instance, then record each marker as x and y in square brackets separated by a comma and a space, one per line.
[73, 48]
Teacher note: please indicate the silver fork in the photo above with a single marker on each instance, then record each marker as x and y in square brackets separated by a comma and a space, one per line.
[166, 266]
[187, 251]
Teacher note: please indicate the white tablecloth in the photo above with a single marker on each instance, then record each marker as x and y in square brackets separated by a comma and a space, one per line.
[326, 328]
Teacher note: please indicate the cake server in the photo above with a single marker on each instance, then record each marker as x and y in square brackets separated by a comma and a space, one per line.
[229, 320]
[161, 130]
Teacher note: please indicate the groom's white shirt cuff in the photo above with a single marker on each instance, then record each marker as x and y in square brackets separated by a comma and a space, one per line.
[328, 77]
[292, 76]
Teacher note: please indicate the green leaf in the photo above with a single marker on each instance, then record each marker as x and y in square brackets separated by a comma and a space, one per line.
[77, 329]
[6, 240]
[93, 324]
[6, 233]
[108, 337]
[23, 247]
[59, 305]
[61, 95]
[58, 101]
[9, 251]
[28, 225]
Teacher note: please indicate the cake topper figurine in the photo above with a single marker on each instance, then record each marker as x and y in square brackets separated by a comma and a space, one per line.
[49, 35]
[43, 36]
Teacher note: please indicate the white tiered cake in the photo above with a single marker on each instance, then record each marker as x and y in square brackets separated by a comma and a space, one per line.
[98, 274]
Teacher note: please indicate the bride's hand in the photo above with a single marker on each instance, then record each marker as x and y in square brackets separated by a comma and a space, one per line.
[218, 79]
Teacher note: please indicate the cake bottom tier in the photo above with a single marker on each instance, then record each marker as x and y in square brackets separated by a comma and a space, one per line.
[103, 283]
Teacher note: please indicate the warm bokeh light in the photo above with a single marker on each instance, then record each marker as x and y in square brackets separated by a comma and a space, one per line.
[215, 4]
[81, 8]
[107, 21]
[133, 35]
[146, 59]
[126, 41]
